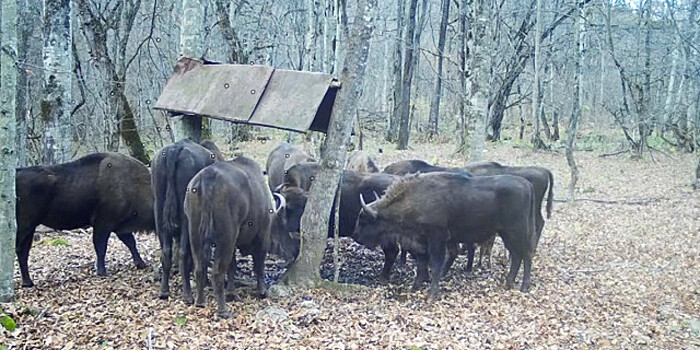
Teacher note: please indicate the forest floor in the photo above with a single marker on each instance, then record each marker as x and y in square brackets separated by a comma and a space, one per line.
[618, 271]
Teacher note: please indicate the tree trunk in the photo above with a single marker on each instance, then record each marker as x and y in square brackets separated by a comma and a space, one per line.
[58, 65]
[407, 78]
[577, 100]
[435, 104]
[24, 31]
[536, 139]
[191, 34]
[304, 272]
[481, 63]
[8, 160]
[127, 124]
[311, 58]
[555, 113]
[463, 35]
[696, 184]
[394, 120]
[341, 32]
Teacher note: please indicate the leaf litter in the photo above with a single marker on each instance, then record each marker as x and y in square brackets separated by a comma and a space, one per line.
[605, 276]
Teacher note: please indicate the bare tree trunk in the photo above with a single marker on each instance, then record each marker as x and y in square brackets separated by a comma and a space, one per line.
[394, 120]
[58, 65]
[463, 34]
[311, 58]
[696, 184]
[555, 113]
[536, 86]
[435, 104]
[304, 272]
[191, 34]
[8, 160]
[481, 62]
[24, 30]
[341, 14]
[406, 83]
[577, 100]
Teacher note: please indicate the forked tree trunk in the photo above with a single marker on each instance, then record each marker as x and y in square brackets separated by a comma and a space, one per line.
[304, 272]
[577, 101]
[8, 160]
[435, 104]
[58, 64]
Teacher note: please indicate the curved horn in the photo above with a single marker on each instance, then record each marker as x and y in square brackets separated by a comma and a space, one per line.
[283, 202]
[279, 187]
[366, 208]
[376, 196]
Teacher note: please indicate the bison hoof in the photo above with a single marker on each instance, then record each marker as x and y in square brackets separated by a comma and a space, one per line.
[224, 315]
[189, 300]
[509, 285]
[231, 297]
[141, 265]
[27, 284]
[164, 296]
[525, 288]
[383, 279]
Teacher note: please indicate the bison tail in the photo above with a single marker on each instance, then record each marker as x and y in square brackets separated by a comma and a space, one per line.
[550, 196]
[532, 226]
[171, 207]
[206, 218]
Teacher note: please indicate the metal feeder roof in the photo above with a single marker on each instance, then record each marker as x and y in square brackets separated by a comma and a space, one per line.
[250, 94]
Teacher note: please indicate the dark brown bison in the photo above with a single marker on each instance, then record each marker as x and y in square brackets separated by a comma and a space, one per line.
[301, 175]
[541, 180]
[352, 184]
[428, 214]
[361, 162]
[228, 205]
[414, 166]
[172, 169]
[109, 191]
[281, 159]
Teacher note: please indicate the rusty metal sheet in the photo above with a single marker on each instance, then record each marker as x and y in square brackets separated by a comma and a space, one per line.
[222, 91]
[291, 100]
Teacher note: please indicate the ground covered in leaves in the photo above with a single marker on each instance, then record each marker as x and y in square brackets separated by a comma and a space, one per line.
[618, 270]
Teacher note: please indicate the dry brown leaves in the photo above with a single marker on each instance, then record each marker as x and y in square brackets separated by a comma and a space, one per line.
[606, 276]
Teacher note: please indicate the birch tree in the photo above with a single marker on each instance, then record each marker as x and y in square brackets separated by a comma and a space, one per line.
[58, 65]
[8, 82]
[304, 272]
[437, 93]
[577, 99]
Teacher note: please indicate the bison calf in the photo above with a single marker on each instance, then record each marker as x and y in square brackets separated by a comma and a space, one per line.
[227, 206]
[109, 191]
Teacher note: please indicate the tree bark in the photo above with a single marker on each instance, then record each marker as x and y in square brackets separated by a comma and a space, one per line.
[191, 34]
[463, 35]
[8, 160]
[536, 139]
[395, 118]
[304, 272]
[407, 77]
[58, 66]
[311, 58]
[577, 100]
[24, 30]
[481, 63]
[435, 104]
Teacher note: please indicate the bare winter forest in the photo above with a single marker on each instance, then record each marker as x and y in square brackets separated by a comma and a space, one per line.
[598, 99]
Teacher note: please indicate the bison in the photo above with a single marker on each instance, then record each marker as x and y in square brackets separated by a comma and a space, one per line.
[109, 191]
[428, 214]
[541, 180]
[405, 167]
[172, 169]
[361, 162]
[227, 206]
[281, 159]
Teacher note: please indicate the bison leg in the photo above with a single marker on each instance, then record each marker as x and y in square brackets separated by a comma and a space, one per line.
[200, 277]
[452, 252]
[485, 252]
[436, 254]
[515, 260]
[129, 241]
[527, 266]
[166, 261]
[231, 294]
[99, 240]
[470, 256]
[259, 268]
[422, 274]
[221, 265]
[402, 259]
[390, 253]
[185, 259]
[22, 248]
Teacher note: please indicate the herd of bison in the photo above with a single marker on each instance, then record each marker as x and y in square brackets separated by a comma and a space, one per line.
[203, 207]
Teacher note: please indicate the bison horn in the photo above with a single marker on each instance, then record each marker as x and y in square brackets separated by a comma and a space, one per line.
[376, 196]
[366, 208]
[283, 202]
[279, 187]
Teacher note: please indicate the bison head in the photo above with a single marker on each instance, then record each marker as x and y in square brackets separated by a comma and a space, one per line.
[369, 226]
[284, 242]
